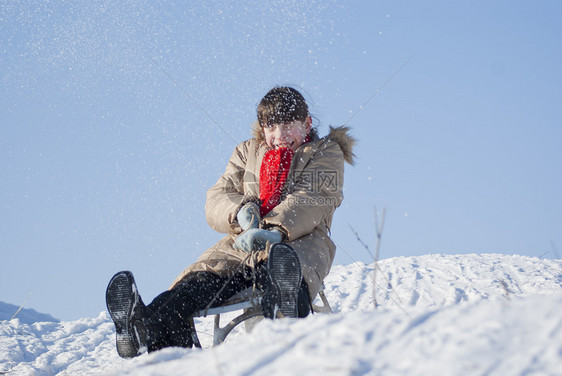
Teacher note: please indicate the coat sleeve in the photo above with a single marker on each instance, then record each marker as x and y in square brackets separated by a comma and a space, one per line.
[226, 197]
[315, 195]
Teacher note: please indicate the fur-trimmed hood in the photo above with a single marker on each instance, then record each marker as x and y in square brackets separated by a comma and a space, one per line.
[338, 134]
[345, 140]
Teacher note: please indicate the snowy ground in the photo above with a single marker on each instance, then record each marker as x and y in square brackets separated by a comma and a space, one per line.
[438, 315]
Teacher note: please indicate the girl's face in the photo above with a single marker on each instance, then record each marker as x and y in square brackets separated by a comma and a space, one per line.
[290, 135]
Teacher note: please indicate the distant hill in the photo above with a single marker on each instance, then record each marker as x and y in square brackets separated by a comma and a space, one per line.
[25, 315]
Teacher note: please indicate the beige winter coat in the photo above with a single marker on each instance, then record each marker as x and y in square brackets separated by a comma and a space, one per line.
[310, 196]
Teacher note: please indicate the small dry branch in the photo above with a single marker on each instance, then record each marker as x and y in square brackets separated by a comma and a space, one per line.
[378, 227]
[21, 306]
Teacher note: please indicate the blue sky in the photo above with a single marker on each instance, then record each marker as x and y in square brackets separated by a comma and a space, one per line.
[105, 160]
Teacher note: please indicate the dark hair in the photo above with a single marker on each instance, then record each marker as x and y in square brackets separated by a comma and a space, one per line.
[282, 105]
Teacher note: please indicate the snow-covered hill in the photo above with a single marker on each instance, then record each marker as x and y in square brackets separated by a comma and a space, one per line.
[25, 315]
[437, 314]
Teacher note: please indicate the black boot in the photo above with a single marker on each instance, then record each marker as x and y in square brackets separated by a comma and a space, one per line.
[169, 322]
[156, 333]
[282, 291]
[126, 309]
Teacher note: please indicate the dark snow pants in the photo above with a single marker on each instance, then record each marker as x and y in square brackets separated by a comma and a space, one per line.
[167, 316]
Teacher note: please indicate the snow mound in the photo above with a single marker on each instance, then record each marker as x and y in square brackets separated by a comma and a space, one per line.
[432, 281]
[437, 314]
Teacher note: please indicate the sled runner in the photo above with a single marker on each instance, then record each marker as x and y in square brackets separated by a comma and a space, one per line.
[249, 301]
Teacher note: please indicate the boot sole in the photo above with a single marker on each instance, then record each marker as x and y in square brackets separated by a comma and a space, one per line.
[286, 272]
[121, 298]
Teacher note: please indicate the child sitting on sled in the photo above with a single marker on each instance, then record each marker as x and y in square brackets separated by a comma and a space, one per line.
[275, 202]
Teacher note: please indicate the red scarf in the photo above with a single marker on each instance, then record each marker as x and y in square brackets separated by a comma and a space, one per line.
[273, 175]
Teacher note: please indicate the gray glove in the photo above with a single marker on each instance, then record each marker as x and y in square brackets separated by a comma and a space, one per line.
[249, 216]
[255, 239]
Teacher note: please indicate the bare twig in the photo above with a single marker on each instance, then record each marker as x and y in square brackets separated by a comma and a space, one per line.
[555, 250]
[544, 254]
[375, 257]
[362, 242]
[397, 302]
[21, 306]
[378, 228]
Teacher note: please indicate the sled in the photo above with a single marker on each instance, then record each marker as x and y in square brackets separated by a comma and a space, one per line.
[249, 301]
